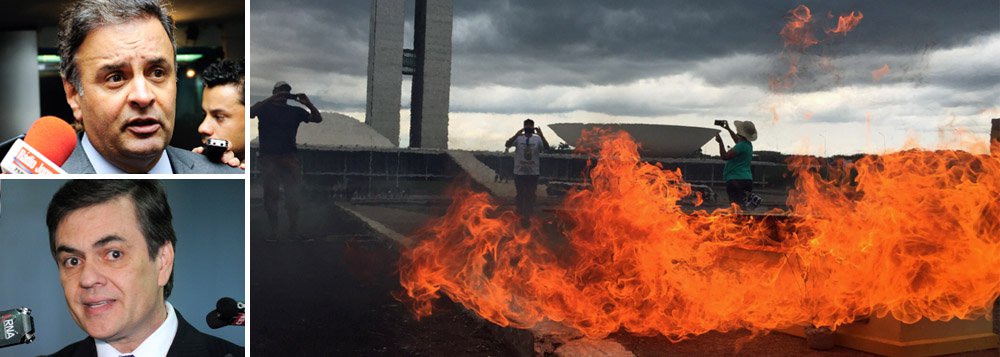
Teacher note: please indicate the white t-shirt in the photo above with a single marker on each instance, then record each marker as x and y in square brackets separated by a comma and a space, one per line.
[526, 150]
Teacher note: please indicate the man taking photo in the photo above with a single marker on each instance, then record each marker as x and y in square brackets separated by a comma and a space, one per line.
[278, 125]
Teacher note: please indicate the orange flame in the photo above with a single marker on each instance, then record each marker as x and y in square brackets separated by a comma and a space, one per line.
[879, 73]
[797, 35]
[913, 234]
[846, 23]
[796, 32]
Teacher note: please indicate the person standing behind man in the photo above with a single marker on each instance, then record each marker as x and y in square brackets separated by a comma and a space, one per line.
[223, 103]
[739, 179]
[527, 167]
[278, 124]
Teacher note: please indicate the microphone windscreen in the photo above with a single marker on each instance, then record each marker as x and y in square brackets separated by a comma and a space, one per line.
[53, 138]
[227, 307]
[214, 321]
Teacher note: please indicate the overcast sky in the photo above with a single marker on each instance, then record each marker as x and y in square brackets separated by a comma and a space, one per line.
[668, 62]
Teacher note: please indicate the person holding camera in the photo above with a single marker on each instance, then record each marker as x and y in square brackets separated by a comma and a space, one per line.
[739, 179]
[278, 124]
[527, 147]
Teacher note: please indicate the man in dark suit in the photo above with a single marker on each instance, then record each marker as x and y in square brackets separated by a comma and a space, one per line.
[113, 243]
[119, 71]
[180, 162]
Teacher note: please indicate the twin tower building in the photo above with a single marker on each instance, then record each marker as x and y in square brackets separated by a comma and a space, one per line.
[429, 63]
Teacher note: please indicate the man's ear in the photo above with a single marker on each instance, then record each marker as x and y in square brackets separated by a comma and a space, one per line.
[164, 263]
[73, 99]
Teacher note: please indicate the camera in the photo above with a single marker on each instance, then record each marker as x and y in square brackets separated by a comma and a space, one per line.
[721, 123]
[214, 148]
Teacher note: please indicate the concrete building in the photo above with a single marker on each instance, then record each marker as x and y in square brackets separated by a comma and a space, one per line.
[431, 71]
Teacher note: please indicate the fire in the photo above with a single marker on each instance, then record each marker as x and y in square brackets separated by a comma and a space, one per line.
[879, 73]
[846, 23]
[797, 35]
[912, 234]
[797, 32]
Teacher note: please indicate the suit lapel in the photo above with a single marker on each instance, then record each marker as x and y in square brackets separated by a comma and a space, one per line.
[187, 342]
[89, 351]
[85, 348]
[78, 163]
[179, 163]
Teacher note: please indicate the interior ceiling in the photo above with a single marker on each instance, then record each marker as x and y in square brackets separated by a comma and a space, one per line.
[45, 13]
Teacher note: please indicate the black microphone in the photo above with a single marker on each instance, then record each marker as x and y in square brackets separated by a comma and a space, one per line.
[228, 312]
[214, 321]
[16, 327]
[6, 145]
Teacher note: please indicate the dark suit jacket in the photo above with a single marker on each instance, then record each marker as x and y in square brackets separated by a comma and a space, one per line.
[181, 162]
[188, 342]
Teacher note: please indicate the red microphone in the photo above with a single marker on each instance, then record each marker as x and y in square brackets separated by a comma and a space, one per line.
[46, 146]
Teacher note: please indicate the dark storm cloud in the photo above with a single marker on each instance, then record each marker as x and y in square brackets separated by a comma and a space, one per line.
[650, 38]
[529, 44]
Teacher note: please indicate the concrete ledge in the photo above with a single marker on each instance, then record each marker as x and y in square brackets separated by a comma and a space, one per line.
[889, 337]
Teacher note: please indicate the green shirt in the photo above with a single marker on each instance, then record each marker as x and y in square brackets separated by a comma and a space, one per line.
[738, 168]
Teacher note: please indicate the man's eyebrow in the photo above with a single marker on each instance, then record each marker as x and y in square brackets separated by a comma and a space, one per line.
[66, 249]
[107, 240]
[160, 61]
[103, 242]
[112, 67]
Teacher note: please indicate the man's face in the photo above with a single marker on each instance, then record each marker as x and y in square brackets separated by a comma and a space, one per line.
[128, 87]
[113, 289]
[529, 129]
[223, 116]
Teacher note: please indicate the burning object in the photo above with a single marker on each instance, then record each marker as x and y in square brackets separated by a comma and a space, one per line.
[655, 140]
[912, 235]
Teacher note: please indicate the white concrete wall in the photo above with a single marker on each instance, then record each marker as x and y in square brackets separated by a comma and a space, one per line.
[437, 74]
[385, 67]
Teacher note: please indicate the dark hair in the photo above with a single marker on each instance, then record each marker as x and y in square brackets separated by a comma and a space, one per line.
[282, 88]
[148, 198]
[225, 72]
[529, 121]
[84, 16]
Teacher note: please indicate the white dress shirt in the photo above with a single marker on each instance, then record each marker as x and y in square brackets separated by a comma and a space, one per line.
[103, 166]
[156, 345]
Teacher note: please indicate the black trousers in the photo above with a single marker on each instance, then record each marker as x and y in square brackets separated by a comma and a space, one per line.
[525, 200]
[737, 189]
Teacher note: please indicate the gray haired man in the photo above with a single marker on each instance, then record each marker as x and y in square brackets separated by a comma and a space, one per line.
[119, 71]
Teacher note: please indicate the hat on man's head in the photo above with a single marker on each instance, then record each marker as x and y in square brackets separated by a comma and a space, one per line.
[282, 86]
[746, 129]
